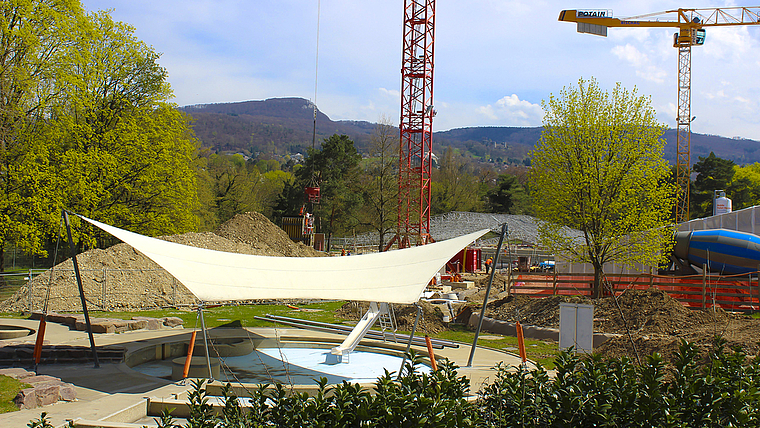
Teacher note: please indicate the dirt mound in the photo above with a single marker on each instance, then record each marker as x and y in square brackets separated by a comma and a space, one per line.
[431, 321]
[257, 231]
[654, 320]
[120, 278]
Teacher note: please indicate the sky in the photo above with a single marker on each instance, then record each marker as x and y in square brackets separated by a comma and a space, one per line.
[495, 60]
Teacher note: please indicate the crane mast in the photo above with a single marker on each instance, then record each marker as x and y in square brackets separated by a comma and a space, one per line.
[690, 23]
[416, 124]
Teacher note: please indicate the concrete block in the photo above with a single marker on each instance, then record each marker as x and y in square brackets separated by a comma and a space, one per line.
[105, 326]
[138, 325]
[172, 321]
[152, 323]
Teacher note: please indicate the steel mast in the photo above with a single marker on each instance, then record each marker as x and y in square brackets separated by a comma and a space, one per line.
[416, 124]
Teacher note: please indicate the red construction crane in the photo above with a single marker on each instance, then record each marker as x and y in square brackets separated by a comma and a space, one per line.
[416, 125]
[690, 23]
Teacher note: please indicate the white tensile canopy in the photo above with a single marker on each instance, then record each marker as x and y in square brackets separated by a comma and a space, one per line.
[398, 276]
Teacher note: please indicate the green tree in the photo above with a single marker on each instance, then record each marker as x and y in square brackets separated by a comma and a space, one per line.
[455, 184]
[744, 189]
[379, 181]
[713, 173]
[36, 41]
[124, 153]
[598, 168]
[335, 165]
[509, 196]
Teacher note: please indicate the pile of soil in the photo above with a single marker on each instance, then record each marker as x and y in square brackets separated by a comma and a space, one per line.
[655, 322]
[431, 321]
[120, 278]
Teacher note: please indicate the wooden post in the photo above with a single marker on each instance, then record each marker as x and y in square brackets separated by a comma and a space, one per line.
[554, 284]
[704, 286]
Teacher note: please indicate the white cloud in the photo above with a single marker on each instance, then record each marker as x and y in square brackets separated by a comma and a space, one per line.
[512, 111]
[642, 64]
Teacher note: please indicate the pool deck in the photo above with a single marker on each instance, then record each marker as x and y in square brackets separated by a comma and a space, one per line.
[115, 392]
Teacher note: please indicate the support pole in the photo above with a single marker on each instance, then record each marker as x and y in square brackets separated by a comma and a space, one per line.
[205, 341]
[488, 291]
[411, 337]
[189, 357]
[39, 342]
[81, 289]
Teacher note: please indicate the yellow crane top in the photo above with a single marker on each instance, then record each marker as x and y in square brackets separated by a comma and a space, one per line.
[689, 21]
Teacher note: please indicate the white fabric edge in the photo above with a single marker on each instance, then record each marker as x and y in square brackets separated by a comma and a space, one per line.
[398, 276]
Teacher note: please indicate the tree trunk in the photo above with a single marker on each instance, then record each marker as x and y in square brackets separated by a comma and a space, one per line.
[598, 273]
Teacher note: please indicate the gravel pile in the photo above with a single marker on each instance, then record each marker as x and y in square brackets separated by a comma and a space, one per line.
[120, 278]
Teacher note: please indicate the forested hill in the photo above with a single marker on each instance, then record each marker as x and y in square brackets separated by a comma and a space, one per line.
[284, 125]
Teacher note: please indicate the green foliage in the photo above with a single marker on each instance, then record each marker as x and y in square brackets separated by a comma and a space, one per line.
[592, 391]
[508, 197]
[741, 183]
[85, 124]
[713, 173]
[43, 422]
[36, 44]
[599, 169]
[413, 400]
[233, 186]
[585, 391]
[455, 185]
[335, 167]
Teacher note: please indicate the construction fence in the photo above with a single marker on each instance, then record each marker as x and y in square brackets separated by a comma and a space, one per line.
[104, 289]
[731, 292]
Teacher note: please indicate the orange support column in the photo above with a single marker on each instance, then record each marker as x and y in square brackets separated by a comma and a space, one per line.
[189, 356]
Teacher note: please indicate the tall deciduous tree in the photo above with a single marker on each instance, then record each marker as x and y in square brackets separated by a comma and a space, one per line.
[125, 152]
[598, 168]
[379, 182]
[37, 38]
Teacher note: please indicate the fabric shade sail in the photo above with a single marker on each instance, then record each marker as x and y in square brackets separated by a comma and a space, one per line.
[398, 276]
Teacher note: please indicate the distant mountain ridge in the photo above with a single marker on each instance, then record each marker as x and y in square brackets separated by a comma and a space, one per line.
[285, 125]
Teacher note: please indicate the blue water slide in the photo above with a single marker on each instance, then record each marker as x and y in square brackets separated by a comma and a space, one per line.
[724, 251]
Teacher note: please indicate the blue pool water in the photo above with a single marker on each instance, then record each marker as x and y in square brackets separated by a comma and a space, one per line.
[297, 366]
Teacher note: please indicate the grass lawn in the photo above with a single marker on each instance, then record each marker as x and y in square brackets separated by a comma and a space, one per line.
[9, 387]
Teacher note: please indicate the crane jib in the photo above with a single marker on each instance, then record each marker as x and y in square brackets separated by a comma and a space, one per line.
[593, 14]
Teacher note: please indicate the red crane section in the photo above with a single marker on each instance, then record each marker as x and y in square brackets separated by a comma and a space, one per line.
[416, 125]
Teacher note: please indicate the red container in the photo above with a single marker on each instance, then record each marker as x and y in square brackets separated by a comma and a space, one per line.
[471, 257]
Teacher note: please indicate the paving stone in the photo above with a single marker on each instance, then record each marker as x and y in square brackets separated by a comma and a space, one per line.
[17, 373]
[40, 379]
